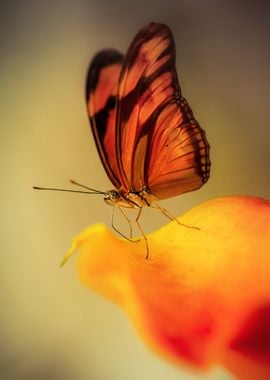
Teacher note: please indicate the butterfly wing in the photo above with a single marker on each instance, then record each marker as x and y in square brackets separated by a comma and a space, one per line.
[101, 92]
[158, 142]
[178, 153]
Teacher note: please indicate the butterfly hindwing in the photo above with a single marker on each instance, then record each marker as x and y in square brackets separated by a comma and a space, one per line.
[178, 153]
[101, 93]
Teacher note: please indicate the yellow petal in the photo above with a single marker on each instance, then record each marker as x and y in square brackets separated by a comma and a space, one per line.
[203, 296]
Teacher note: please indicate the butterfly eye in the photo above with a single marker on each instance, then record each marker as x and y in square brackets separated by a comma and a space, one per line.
[111, 197]
[114, 195]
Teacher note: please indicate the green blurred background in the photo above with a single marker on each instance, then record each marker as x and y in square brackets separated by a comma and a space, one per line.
[51, 326]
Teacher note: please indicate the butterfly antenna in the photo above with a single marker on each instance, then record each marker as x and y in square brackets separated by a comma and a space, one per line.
[67, 190]
[86, 187]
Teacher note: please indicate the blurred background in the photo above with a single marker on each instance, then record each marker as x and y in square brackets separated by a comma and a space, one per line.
[51, 326]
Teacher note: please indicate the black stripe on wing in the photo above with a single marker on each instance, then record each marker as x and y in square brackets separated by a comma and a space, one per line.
[101, 94]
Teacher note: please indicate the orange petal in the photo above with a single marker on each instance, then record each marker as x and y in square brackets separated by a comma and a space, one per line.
[203, 296]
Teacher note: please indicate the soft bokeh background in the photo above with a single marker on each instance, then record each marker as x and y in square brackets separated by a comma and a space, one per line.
[51, 326]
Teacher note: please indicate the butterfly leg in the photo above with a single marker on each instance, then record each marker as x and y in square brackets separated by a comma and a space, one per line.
[128, 220]
[142, 232]
[119, 232]
[170, 216]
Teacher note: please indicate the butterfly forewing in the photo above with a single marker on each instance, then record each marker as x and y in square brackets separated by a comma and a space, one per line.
[101, 93]
[146, 85]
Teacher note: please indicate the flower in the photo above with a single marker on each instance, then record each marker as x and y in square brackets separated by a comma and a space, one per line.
[202, 298]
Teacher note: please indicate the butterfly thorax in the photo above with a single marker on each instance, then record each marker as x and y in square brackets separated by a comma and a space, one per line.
[133, 199]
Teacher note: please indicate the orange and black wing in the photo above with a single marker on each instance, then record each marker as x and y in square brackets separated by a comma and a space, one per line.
[159, 144]
[101, 94]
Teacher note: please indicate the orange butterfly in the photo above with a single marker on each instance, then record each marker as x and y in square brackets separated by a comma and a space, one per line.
[148, 140]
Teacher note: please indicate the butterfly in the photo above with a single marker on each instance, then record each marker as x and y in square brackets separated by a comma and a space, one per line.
[148, 140]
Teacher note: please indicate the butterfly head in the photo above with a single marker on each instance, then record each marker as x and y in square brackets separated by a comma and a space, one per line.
[112, 197]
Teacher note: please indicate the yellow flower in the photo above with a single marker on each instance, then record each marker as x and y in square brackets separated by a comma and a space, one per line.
[203, 296]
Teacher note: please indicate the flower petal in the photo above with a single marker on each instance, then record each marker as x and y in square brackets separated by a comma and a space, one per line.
[203, 296]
